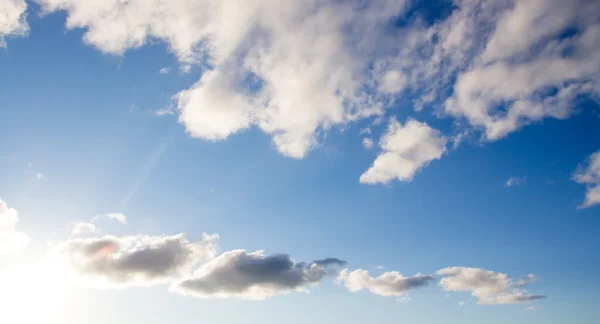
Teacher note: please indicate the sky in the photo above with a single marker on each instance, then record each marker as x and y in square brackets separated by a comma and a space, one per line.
[308, 161]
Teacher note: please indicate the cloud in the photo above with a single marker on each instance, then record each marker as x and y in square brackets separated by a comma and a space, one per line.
[119, 217]
[118, 262]
[254, 276]
[12, 19]
[291, 70]
[530, 309]
[524, 67]
[390, 283]
[83, 228]
[367, 143]
[589, 174]
[40, 176]
[515, 181]
[489, 287]
[164, 71]
[296, 70]
[406, 149]
[11, 239]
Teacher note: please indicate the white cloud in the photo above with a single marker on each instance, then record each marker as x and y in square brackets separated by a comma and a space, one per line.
[119, 217]
[393, 81]
[379, 267]
[489, 287]
[390, 283]
[212, 110]
[406, 149]
[515, 181]
[530, 309]
[296, 70]
[589, 174]
[367, 143]
[305, 78]
[11, 239]
[240, 274]
[526, 71]
[83, 228]
[118, 262]
[164, 70]
[12, 19]
[40, 176]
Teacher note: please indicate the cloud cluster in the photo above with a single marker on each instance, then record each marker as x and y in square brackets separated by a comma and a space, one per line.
[390, 283]
[11, 239]
[296, 69]
[12, 19]
[406, 149]
[194, 269]
[140, 260]
[489, 287]
[589, 174]
[246, 275]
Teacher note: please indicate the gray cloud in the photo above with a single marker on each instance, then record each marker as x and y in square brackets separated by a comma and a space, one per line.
[245, 275]
[133, 260]
[390, 283]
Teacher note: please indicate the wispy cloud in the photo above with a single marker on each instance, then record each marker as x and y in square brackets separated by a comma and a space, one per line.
[515, 181]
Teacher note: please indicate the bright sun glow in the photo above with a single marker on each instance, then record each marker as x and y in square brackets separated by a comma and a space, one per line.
[34, 293]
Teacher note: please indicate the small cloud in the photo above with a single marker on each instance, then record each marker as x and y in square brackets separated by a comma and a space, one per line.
[164, 70]
[365, 130]
[83, 228]
[530, 309]
[379, 267]
[119, 217]
[40, 176]
[515, 181]
[367, 143]
[461, 303]
[168, 110]
[185, 68]
[404, 299]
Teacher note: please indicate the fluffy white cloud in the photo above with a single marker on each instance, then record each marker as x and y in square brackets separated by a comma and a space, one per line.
[296, 69]
[589, 174]
[390, 283]
[367, 143]
[83, 228]
[291, 69]
[240, 274]
[164, 71]
[12, 19]
[406, 149]
[140, 260]
[489, 287]
[11, 239]
[528, 69]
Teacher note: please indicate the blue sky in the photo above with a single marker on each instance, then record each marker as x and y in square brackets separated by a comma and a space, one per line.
[255, 131]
